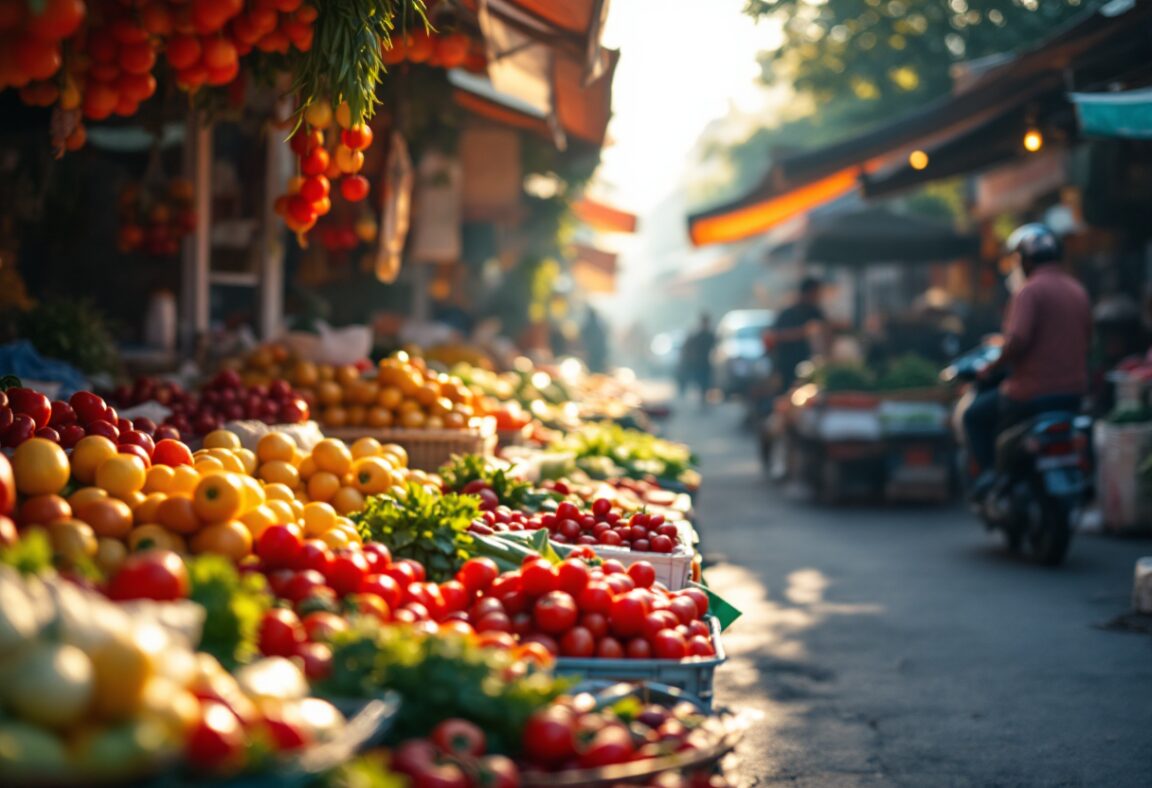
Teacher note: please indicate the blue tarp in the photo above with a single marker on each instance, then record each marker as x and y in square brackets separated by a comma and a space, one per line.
[1126, 114]
[20, 358]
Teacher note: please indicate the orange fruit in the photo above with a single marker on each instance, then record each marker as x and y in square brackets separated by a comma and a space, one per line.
[218, 497]
[413, 420]
[366, 447]
[398, 453]
[323, 485]
[159, 479]
[304, 373]
[206, 465]
[318, 518]
[275, 446]
[372, 475]
[307, 468]
[253, 492]
[86, 494]
[178, 514]
[332, 455]
[281, 473]
[427, 394]
[329, 393]
[283, 511]
[228, 459]
[40, 467]
[87, 455]
[247, 460]
[149, 535]
[335, 538]
[221, 439]
[274, 491]
[44, 509]
[185, 481]
[229, 538]
[378, 417]
[109, 517]
[347, 375]
[121, 475]
[334, 416]
[347, 499]
[145, 511]
[356, 415]
[258, 519]
[390, 397]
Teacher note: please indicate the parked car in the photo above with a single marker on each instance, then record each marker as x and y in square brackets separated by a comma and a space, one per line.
[665, 352]
[739, 358]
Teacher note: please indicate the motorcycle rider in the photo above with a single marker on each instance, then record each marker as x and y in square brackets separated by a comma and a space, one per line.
[1047, 333]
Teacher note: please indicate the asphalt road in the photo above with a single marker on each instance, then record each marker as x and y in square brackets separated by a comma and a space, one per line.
[901, 646]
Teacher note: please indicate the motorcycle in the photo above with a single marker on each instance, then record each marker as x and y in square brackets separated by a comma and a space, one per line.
[1042, 467]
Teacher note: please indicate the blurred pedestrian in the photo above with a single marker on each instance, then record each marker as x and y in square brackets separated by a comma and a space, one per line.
[799, 332]
[595, 341]
[696, 358]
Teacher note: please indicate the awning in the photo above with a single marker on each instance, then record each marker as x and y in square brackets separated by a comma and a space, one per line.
[879, 235]
[1125, 114]
[594, 269]
[1097, 45]
[603, 217]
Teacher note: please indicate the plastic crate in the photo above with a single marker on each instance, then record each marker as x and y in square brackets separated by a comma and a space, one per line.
[694, 675]
[672, 569]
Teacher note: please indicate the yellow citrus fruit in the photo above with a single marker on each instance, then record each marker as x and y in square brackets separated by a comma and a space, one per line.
[351, 532]
[279, 472]
[247, 459]
[218, 497]
[185, 481]
[323, 485]
[258, 519]
[121, 475]
[276, 446]
[347, 499]
[159, 479]
[332, 455]
[178, 514]
[307, 467]
[150, 535]
[206, 465]
[86, 494]
[275, 491]
[372, 475]
[134, 499]
[228, 459]
[253, 492]
[145, 511]
[229, 538]
[87, 455]
[318, 517]
[335, 538]
[40, 467]
[398, 453]
[221, 439]
[282, 510]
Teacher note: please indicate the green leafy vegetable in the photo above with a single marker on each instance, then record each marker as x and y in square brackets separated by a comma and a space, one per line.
[638, 453]
[513, 493]
[30, 555]
[909, 372]
[234, 603]
[423, 525]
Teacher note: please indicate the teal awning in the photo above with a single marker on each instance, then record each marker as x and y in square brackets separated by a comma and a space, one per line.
[1126, 114]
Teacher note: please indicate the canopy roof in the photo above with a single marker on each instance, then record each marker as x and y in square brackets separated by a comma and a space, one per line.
[1096, 45]
[878, 235]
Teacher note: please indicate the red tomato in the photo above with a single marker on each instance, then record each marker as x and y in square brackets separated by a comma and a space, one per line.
[315, 555]
[62, 413]
[684, 608]
[596, 597]
[626, 616]
[346, 572]
[493, 622]
[555, 612]
[515, 602]
[303, 585]
[280, 633]
[613, 567]
[482, 607]
[610, 538]
[217, 742]
[402, 573]
[538, 577]
[572, 576]
[317, 658]
[549, 736]
[416, 568]
[567, 511]
[611, 744]
[105, 428]
[455, 595]
[577, 642]
[505, 583]
[7, 487]
[354, 188]
[619, 583]
[88, 406]
[669, 644]
[321, 625]
[609, 648]
[522, 624]
[384, 587]
[662, 544]
[601, 507]
[700, 647]
[151, 574]
[596, 623]
[699, 597]
[497, 771]
[540, 639]
[30, 403]
[458, 737]
[171, 452]
[495, 639]
[375, 607]
[658, 620]
[378, 555]
[643, 574]
[638, 648]
[279, 547]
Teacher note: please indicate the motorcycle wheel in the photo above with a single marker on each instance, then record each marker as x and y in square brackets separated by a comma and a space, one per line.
[1050, 537]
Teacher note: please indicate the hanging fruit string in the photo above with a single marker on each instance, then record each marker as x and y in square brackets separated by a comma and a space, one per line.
[344, 64]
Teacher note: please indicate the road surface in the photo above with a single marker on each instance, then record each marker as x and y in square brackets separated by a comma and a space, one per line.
[901, 646]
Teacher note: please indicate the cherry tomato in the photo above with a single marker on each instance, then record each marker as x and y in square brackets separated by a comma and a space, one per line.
[279, 547]
[515, 602]
[455, 595]
[572, 576]
[152, 574]
[699, 597]
[540, 639]
[171, 452]
[384, 587]
[493, 622]
[700, 647]
[638, 648]
[280, 633]
[314, 555]
[613, 567]
[596, 623]
[684, 608]
[321, 625]
[620, 583]
[658, 620]
[317, 658]
[555, 612]
[346, 572]
[549, 736]
[538, 577]
[217, 742]
[610, 745]
[662, 544]
[416, 568]
[577, 642]
[31, 403]
[669, 644]
[643, 574]
[378, 555]
[626, 616]
[595, 597]
[303, 585]
[609, 648]
[455, 736]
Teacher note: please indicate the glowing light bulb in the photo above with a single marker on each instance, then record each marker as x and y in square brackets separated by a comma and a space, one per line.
[1033, 140]
[918, 159]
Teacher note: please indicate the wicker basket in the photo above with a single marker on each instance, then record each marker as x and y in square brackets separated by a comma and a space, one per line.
[428, 450]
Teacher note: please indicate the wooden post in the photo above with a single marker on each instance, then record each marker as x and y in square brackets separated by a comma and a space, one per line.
[194, 295]
[271, 292]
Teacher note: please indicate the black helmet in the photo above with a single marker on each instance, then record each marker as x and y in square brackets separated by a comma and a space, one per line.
[1035, 243]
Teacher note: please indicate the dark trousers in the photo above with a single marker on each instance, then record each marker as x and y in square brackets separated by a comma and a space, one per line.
[991, 412]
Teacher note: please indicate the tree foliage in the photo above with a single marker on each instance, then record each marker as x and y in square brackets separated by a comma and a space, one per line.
[892, 54]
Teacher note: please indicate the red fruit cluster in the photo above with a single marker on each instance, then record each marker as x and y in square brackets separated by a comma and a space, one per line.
[603, 525]
[454, 755]
[226, 398]
[30, 51]
[274, 26]
[25, 413]
[156, 224]
[449, 50]
[497, 518]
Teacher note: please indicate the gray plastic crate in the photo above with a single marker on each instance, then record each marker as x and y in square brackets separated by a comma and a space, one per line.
[693, 675]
